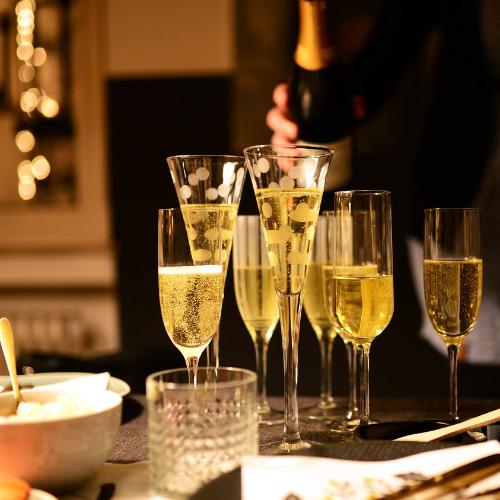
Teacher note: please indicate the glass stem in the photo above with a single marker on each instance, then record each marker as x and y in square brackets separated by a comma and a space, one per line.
[290, 309]
[326, 350]
[352, 405]
[192, 366]
[452, 360]
[213, 351]
[364, 389]
[261, 368]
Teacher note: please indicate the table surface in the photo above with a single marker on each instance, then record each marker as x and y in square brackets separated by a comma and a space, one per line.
[131, 445]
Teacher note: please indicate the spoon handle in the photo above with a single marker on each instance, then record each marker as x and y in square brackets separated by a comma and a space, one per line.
[7, 342]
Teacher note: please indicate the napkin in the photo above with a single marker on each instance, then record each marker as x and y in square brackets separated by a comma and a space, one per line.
[93, 382]
[312, 478]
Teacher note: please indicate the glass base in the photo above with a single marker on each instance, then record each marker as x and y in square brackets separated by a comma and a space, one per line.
[327, 412]
[271, 417]
[300, 447]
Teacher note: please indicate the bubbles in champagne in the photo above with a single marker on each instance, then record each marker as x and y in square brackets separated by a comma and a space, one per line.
[286, 183]
[212, 234]
[310, 232]
[273, 185]
[303, 213]
[296, 258]
[201, 255]
[285, 233]
[192, 233]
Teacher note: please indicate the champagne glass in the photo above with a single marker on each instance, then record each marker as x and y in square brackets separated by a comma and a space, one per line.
[288, 182]
[362, 274]
[209, 189]
[325, 326]
[453, 279]
[191, 286]
[256, 299]
[351, 415]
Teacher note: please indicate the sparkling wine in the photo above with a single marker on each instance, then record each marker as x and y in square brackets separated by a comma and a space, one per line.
[203, 222]
[289, 220]
[256, 298]
[191, 302]
[364, 304]
[453, 291]
[316, 302]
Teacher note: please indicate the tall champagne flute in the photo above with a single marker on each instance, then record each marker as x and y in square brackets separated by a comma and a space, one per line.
[325, 326]
[209, 189]
[256, 299]
[191, 288]
[288, 182]
[362, 274]
[351, 415]
[453, 279]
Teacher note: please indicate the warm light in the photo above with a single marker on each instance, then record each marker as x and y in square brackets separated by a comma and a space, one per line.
[25, 141]
[24, 51]
[25, 31]
[39, 56]
[26, 22]
[23, 6]
[29, 100]
[26, 190]
[26, 73]
[40, 167]
[24, 171]
[48, 107]
[27, 37]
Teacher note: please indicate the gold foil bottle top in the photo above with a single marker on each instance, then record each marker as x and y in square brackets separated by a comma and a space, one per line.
[314, 49]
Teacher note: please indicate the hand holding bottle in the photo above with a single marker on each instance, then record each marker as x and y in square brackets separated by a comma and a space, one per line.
[278, 119]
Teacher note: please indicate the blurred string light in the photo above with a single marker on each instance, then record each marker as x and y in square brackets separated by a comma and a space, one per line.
[31, 100]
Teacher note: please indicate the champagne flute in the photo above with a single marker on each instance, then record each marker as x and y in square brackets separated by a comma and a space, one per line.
[453, 279]
[351, 415]
[362, 274]
[191, 287]
[209, 189]
[256, 299]
[325, 326]
[288, 182]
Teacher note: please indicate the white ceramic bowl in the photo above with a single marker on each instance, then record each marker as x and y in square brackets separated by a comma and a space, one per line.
[60, 454]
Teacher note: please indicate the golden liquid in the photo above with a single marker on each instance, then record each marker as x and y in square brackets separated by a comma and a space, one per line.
[289, 220]
[202, 225]
[191, 302]
[453, 291]
[256, 298]
[315, 303]
[364, 304]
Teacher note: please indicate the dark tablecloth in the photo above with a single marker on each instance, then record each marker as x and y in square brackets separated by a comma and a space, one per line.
[132, 446]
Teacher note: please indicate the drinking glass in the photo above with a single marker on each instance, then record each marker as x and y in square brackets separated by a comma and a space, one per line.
[325, 327]
[362, 274]
[288, 182]
[209, 188]
[191, 286]
[197, 434]
[351, 415]
[453, 279]
[256, 299]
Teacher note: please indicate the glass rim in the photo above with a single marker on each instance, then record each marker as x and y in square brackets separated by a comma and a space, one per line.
[251, 377]
[452, 209]
[172, 209]
[209, 156]
[322, 151]
[362, 191]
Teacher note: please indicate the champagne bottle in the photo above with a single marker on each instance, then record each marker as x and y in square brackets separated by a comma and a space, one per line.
[320, 91]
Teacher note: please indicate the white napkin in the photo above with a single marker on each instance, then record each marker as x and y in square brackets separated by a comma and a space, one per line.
[311, 478]
[93, 382]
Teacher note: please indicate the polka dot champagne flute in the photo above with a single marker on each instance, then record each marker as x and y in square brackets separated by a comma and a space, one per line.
[209, 190]
[288, 182]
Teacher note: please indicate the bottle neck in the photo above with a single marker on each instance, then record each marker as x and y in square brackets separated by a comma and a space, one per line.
[314, 49]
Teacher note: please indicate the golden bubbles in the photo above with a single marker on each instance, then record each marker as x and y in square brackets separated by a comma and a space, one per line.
[25, 141]
[25, 6]
[24, 172]
[29, 100]
[24, 51]
[26, 190]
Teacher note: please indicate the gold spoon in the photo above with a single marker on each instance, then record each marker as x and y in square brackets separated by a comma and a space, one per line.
[7, 342]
